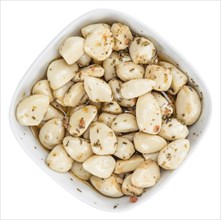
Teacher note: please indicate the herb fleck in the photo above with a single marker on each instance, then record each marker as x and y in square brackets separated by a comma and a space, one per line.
[79, 190]
[153, 52]
[190, 89]
[138, 40]
[145, 43]
[97, 143]
[34, 107]
[168, 156]
[115, 206]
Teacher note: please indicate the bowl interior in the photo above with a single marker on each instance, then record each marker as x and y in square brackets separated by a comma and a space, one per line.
[38, 70]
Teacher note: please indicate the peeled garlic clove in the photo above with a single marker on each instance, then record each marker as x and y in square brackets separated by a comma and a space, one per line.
[142, 50]
[59, 73]
[112, 61]
[173, 130]
[103, 139]
[107, 118]
[148, 114]
[97, 90]
[125, 148]
[31, 110]
[130, 190]
[100, 166]
[109, 66]
[76, 95]
[136, 87]
[42, 87]
[146, 175]
[124, 123]
[165, 106]
[108, 187]
[99, 43]
[148, 143]
[122, 36]
[160, 75]
[77, 148]
[84, 60]
[173, 154]
[60, 93]
[86, 31]
[71, 49]
[123, 166]
[151, 156]
[129, 70]
[115, 85]
[112, 107]
[188, 105]
[93, 70]
[81, 119]
[59, 160]
[52, 133]
[52, 113]
[179, 79]
[78, 170]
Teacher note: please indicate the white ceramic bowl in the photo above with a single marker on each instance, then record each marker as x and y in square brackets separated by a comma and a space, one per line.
[37, 71]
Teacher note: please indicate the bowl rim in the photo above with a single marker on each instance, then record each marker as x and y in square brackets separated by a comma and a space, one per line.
[121, 14]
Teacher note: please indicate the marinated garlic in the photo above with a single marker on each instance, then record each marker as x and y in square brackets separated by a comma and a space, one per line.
[110, 113]
[72, 49]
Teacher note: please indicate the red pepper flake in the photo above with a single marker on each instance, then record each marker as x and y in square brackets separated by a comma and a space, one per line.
[133, 199]
[82, 123]
[156, 128]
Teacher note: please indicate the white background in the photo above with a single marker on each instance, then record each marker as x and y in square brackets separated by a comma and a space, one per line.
[192, 27]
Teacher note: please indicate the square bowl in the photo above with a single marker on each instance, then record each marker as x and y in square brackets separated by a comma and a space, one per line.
[37, 71]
